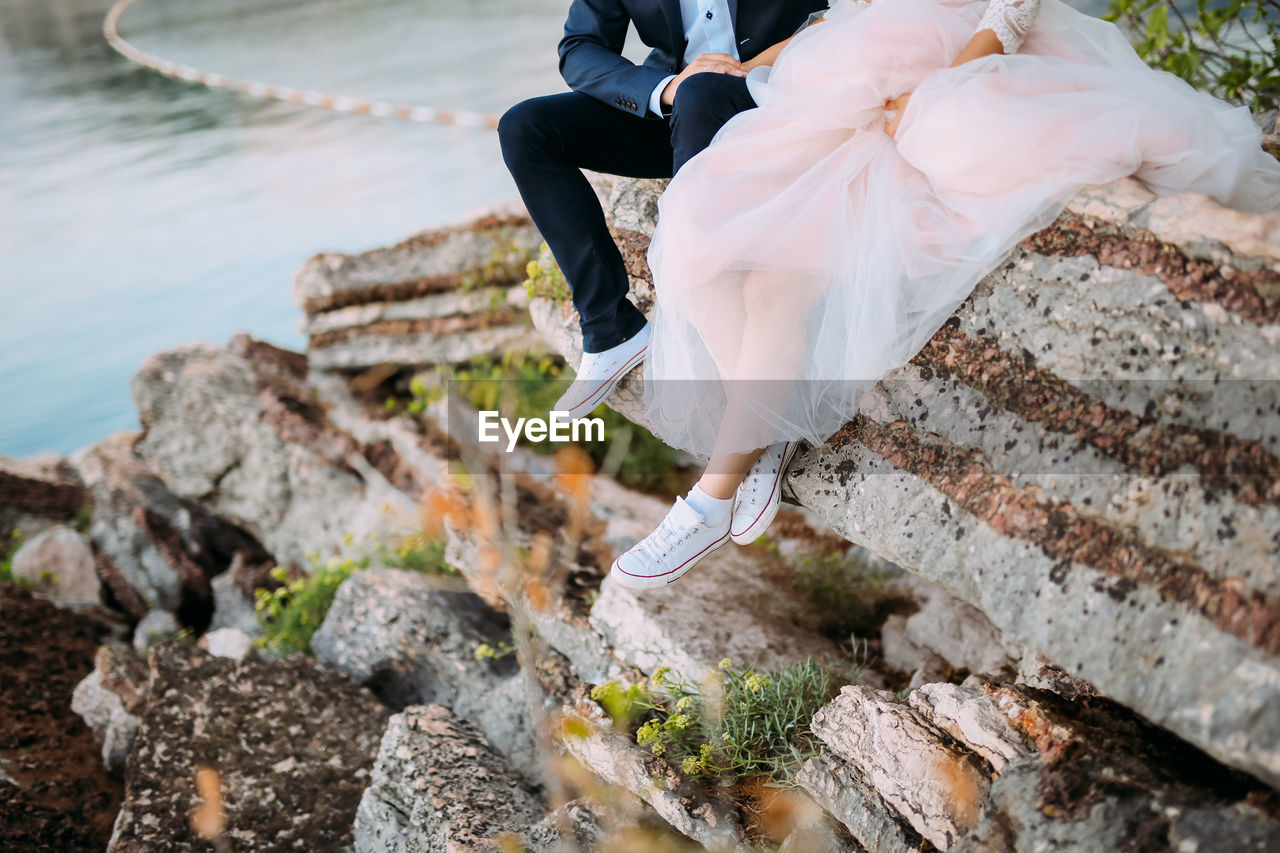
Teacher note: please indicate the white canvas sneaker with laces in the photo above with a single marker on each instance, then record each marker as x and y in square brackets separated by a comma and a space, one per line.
[682, 539]
[756, 503]
[600, 372]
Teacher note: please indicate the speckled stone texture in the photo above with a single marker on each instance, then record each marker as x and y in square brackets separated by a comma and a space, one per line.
[439, 787]
[238, 431]
[1007, 767]
[294, 746]
[439, 297]
[154, 549]
[413, 643]
[1088, 452]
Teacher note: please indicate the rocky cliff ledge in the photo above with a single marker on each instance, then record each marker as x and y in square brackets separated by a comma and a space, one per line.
[1087, 454]
[1067, 501]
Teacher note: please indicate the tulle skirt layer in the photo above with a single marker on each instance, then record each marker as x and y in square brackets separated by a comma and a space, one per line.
[806, 253]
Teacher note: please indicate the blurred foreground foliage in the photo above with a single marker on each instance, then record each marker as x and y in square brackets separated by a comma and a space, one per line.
[1229, 49]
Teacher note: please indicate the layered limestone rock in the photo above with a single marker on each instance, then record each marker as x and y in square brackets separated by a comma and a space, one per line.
[1009, 767]
[1088, 453]
[238, 432]
[58, 562]
[438, 785]
[111, 700]
[154, 550]
[293, 746]
[439, 297]
[37, 493]
[412, 642]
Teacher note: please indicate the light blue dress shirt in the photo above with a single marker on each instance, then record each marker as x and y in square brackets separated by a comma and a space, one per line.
[709, 29]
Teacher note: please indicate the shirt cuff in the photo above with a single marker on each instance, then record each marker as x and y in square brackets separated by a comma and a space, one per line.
[655, 98]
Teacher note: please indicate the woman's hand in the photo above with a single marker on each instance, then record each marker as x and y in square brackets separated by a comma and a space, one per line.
[900, 104]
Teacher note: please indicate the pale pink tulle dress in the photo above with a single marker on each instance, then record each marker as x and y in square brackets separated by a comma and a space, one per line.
[806, 253]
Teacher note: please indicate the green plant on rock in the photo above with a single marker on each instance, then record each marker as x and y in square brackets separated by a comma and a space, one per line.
[416, 552]
[7, 550]
[847, 596]
[292, 612]
[503, 266]
[1231, 50]
[739, 725]
[484, 651]
[545, 280]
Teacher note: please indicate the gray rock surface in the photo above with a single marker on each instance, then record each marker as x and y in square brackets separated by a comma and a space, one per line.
[154, 549]
[1088, 453]
[227, 643]
[231, 607]
[439, 787]
[1031, 771]
[947, 630]
[412, 643]
[156, 627]
[293, 745]
[575, 826]
[239, 432]
[36, 493]
[839, 789]
[725, 608]
[58, 562]
[111, 699]
[439, 297]
[974, 719]
[931, 781]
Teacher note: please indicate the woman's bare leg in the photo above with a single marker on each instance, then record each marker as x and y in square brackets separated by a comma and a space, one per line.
[770, 350]
[726, 471]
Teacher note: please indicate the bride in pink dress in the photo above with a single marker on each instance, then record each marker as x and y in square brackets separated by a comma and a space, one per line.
[902, 148]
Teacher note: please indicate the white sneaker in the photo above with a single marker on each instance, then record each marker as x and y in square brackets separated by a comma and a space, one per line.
[681, 540]
[600, 372]
[756, 503]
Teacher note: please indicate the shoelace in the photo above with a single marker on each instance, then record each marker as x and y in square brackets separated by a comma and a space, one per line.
[757, 472]
[660, 543]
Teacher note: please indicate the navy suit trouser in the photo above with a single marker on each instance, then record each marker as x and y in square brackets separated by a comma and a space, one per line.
[548, 141]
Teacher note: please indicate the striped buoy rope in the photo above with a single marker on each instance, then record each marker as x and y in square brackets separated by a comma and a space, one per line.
[304, 97]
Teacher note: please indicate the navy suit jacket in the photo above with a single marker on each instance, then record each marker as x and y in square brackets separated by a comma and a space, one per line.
[591, 60]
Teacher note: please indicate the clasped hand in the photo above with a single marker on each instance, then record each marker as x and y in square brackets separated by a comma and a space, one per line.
[900, 104]
[717, 63]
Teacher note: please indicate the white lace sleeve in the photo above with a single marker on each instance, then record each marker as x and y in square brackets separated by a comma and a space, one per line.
[1010, 20]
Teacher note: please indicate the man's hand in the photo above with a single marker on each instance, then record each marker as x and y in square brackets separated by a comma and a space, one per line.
[900, 104]
[717, 63]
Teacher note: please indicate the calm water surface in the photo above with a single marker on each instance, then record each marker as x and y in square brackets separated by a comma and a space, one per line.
[138, 213]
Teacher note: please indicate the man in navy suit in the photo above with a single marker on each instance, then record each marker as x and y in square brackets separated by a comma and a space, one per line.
[642, 121]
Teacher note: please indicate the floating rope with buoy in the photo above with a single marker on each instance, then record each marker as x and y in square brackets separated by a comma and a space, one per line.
[303, 97]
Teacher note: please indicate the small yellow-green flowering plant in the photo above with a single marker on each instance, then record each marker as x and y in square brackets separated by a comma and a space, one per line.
[737, 724]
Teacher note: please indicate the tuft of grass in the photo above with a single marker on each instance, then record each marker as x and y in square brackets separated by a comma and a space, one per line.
[418, 553]
[545, 280]
[291, 613]
[848, 597]
[7, 550]
[739, 725]
[503, 266]
[83, 520]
